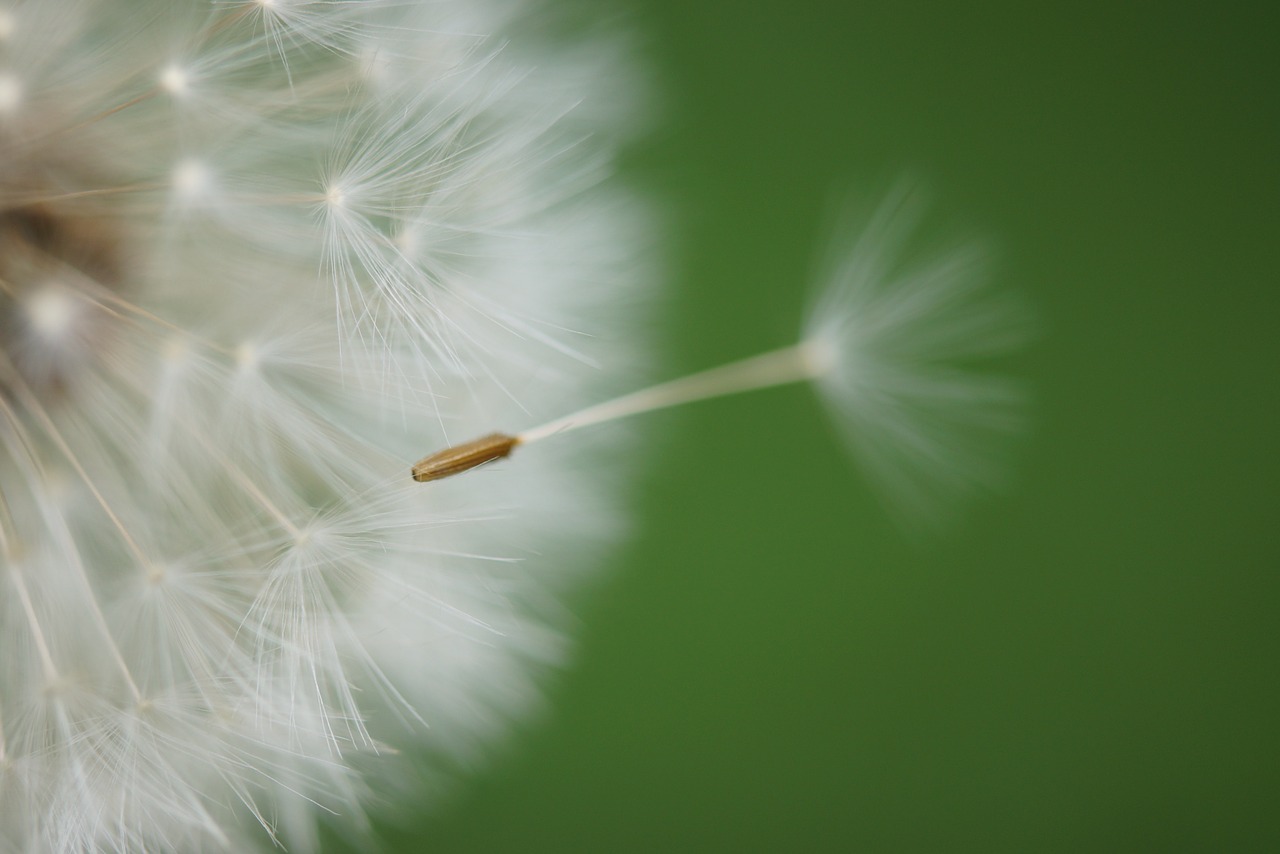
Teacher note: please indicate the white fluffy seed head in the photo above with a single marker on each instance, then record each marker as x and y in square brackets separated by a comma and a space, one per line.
[223, 602]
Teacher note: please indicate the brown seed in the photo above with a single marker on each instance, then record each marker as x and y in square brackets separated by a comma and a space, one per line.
[460, 458]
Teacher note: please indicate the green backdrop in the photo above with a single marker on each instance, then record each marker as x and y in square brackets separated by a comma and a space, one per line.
[1089, 663]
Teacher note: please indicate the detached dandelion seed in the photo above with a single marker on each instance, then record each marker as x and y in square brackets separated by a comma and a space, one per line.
[891, 345]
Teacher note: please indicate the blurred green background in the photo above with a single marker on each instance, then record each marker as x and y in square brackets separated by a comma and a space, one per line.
[1089, 662]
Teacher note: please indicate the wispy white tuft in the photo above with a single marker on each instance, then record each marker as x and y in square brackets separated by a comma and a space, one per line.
[902, 344]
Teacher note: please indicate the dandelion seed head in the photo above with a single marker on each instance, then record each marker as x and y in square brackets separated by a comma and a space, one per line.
[223, 612]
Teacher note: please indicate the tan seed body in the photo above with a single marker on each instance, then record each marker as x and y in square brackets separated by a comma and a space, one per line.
[460, 458]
